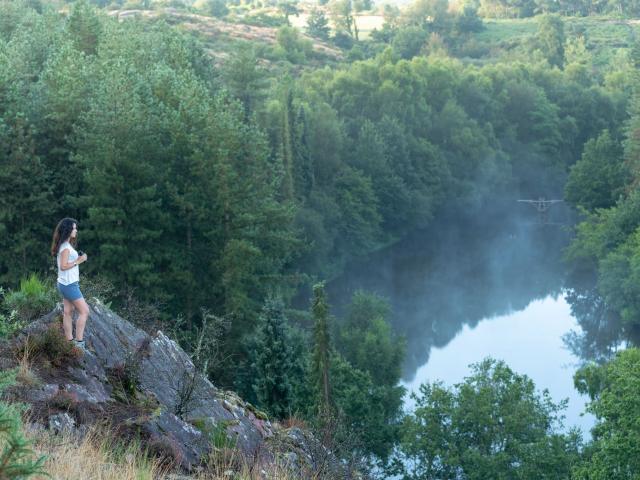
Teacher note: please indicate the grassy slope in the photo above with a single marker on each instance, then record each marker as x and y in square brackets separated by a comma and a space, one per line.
[603, 36]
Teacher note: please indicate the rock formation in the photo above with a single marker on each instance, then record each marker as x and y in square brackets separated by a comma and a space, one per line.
[147, 386]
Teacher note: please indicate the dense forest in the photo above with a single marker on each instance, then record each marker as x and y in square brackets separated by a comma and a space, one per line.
[209, 192]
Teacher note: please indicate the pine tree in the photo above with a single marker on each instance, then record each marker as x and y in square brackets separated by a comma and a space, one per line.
[318, 25]
[321, 349]
[121, 149]
[17, 460]
[303, 169]
[274, 360]
[26, 204]
[245, 79]
[85, 27]
[287, 144]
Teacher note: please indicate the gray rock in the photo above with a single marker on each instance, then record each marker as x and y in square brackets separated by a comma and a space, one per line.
[43, 392]
[165, 374]
[61, 422]
[180, 439]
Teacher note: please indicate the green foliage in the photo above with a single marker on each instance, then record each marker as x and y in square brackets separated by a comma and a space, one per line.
[366, 373]
[288, 7]
[409, 41]
[217, 8]
[342, 18]
[33, 299]
[124, 380]
[598, 179]
[245, 79]
[614, 389]
[550, 39]
[507, 8]
[367, 341]
[604, 256]
[274, 362]
[294, 47]
[527, 8]
[492, 425]
[85, 27]
[23, 176]
[218, 436]
[10, 323]
[318, 24]
[468, 21]
[17, 460]
[322, 350]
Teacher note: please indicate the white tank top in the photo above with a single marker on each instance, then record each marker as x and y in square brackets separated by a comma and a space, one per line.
[66, 277]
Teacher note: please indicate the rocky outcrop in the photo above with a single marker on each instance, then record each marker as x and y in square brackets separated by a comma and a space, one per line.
[148, 385]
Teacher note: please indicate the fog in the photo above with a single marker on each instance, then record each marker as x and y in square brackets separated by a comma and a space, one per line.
[460, 271]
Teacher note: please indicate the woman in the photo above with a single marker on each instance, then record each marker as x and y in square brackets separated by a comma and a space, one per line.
[64, 239]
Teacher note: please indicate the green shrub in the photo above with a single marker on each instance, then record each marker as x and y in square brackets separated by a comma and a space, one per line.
[10, 323]
[34, 299]
[216, 432]
[295, 48]
[17, 460]
[264, 20]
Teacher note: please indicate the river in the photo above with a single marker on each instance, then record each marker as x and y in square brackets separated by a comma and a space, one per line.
[462, 292]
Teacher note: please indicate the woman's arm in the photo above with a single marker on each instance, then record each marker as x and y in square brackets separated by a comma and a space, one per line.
[64, 260]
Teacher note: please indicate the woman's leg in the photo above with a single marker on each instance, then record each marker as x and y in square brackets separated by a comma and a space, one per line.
[83, 313]
[67, 318]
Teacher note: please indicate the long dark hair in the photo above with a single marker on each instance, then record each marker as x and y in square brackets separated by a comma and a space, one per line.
[62, 233]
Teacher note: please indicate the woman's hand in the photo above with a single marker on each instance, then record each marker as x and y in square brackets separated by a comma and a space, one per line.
[82, 258]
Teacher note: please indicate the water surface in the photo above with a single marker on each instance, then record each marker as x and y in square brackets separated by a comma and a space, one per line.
[462, 291]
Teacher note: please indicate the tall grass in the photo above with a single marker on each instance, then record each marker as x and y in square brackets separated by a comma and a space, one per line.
[97, 456]
[94, 457]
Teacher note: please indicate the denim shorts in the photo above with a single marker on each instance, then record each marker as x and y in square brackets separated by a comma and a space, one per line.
[70, 292]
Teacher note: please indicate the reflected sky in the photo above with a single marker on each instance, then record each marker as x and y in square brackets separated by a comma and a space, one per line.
[446, 279]
[529, 341]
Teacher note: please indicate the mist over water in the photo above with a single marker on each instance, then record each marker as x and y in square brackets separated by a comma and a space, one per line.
[439, 280]
[477, 287]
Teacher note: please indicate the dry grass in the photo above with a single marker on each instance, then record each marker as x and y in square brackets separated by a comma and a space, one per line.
[25, 374]
[95, 457]
[98, 457]
[294, 421]
[228, 463]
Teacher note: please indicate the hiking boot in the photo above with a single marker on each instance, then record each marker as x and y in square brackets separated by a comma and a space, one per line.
[80, 344]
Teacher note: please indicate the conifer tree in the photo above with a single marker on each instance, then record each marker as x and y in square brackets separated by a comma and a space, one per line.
[245, 79]
[120, 148]
[26, 204]
[287, 144]
[321, 349]
[274, 360]
[17, 459]
[318, 25]
[303, 169]
[85, 27]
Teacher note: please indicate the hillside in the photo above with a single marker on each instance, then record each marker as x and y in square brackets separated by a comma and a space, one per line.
[144, 388]
[603, 36]
[501, 39]
[220, 37]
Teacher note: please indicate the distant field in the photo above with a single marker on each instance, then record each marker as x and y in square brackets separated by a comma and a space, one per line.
[603, 36]
[499, 29]
[365, 23]
[597, 30]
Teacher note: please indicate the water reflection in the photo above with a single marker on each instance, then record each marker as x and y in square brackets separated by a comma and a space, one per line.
[529, 341]
[440, 280]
